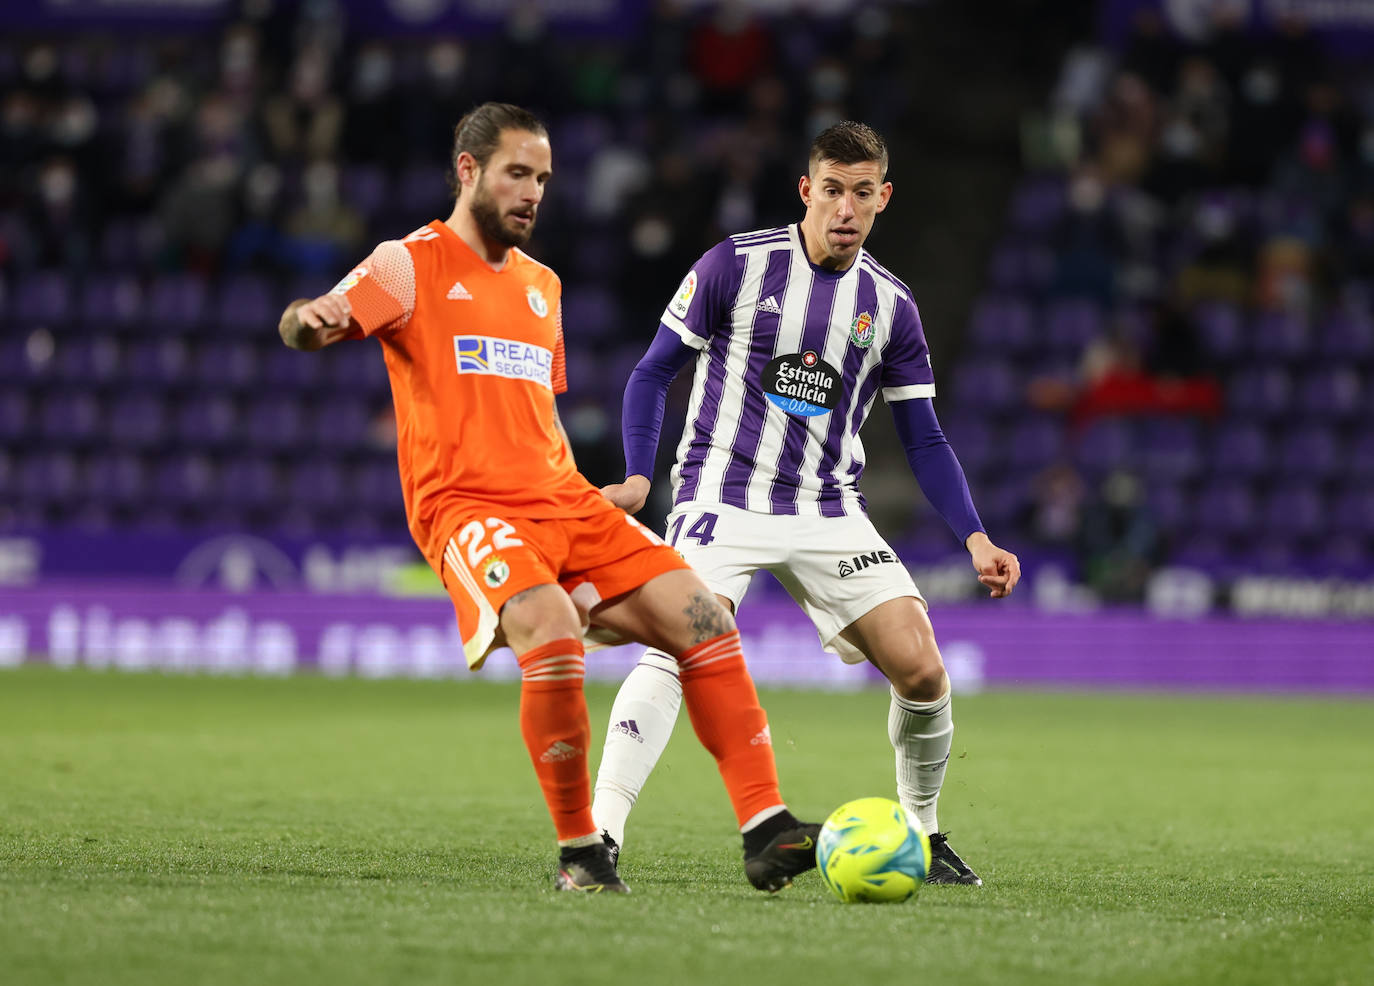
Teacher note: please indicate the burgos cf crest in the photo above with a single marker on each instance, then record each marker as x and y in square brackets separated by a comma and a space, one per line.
[495, 572]
[536, 299]
[861, 331]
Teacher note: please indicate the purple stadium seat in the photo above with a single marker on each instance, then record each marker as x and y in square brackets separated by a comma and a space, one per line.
[86, 360]
[49, 478]
[290, 371]
[366, 188]
[1226, 508]
[69, 418]
[227, 365]
[117, 478]
[1310, 451]
[42, 298]
[111, 301]
[1241, 450]
[1002, 327]
[245, 306]
[338, 424]
[1171, 449]
[987, 384]
[1034, 442]
[1264, 392]
[421, 192]
[1293, 511]
[1106, 444]
[1330, 394]
[1038, 205]
[157, 363]
[376, 484]
[1352, 511]
[1072, 324]
[320, 483]
[207, 422]
[184, 480]
[356, 369]
[1168, 505]
[1348, 337]
[1359, 459]
[591, 313]
[16, 417]
[1221, 329]
[137, 421]
[1281, 336]
[275, 423]
[176, 302]
[248, 482]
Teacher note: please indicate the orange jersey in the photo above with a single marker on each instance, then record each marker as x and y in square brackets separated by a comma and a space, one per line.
[475, 358]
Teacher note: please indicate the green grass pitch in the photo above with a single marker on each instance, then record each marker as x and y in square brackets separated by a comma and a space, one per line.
[198, 830]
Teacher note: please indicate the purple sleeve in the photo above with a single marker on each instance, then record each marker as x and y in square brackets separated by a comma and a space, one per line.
[641, 417]
[935, 466]
[705, 295]
[906, 357]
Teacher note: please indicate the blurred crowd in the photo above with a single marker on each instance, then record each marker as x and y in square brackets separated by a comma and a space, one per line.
[1185, 286]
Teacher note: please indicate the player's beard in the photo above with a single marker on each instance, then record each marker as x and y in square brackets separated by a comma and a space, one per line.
[490, 221]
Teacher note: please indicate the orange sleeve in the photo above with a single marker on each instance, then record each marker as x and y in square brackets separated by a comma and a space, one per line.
[559, 378]
[381, 290]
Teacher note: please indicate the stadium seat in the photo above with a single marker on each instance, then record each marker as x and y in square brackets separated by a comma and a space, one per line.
[366, 188]
[1330, 394]
[1348, 337]
[1293, 511]
[1240, 449]
[245, 306]
[1221, 331]
[1309, 451]
[137, 421]
[16, 417]
[988, 384]
[207, 423]
[1071, 324]
[275, 423]
[69, 418]
[115, 477]
[1033, 442]
[1262, 392]
[1106, 444]
[1282, 336]
[43, 298]
[1002, 327]
[1038, 205]
[176, 303]
[1226, 507]
[111, 301]
[1171, 449]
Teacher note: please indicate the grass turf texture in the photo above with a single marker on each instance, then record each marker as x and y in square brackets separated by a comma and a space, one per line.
[208, 830]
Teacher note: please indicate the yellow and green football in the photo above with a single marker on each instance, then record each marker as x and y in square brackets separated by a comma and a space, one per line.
[872, 850]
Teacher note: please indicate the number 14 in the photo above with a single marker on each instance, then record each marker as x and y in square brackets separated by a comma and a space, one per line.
[702, 532]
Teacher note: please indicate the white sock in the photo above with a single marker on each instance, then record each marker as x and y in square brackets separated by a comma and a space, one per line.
[921, 734]
[642, 719]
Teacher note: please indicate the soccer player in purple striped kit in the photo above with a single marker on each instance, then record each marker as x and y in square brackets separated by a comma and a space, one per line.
[794, 332]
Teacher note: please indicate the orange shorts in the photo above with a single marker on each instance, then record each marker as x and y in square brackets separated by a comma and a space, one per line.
[491, 558]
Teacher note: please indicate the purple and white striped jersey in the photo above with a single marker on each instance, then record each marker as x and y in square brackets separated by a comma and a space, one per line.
[791, 357]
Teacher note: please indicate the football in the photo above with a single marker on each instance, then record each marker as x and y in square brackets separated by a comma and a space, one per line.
[872, 850]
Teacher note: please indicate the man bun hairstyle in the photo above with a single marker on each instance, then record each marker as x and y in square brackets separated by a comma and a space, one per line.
[479, 133]
[849, 142]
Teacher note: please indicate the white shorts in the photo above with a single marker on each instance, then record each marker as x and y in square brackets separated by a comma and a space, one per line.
[836, 568]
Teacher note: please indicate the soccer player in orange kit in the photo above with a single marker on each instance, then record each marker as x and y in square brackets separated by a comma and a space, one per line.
[528, 549]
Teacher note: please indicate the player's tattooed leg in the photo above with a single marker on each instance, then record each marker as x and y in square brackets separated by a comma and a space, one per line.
[707, 616]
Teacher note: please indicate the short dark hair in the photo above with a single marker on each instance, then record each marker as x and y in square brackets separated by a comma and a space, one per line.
[479, 133]
[849, 142]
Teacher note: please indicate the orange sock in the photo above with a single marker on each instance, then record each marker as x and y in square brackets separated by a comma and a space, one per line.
[729, 721]
[553, 721]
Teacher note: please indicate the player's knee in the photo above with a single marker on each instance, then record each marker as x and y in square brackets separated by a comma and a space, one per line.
[922, 681]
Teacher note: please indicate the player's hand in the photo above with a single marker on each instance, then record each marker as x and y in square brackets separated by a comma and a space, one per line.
[630, 495]
[328, 311]
[997, 568]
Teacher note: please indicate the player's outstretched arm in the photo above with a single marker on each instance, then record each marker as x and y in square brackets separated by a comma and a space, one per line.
[997, 568]
[311, 324]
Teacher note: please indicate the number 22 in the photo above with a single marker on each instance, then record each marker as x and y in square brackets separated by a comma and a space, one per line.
[474, 534]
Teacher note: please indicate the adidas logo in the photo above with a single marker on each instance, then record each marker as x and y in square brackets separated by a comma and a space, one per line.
[630, 728]
[770, 305]
[560, 752]
[762, 738]
[458, 292]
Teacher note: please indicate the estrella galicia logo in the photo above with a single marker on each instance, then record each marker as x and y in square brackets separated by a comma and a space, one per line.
[504, 358]
[802, 384]
[849, 566]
